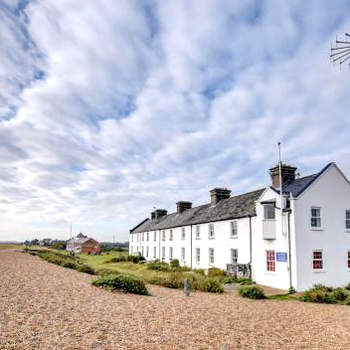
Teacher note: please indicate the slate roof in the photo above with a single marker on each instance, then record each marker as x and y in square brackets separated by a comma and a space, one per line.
[231, 208]
[297, 186]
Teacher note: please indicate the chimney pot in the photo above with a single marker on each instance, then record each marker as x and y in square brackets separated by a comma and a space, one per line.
[218, 194]
[182, 206]
[158, 213]
[288, 174]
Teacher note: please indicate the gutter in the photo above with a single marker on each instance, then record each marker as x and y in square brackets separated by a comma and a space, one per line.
[250, 246]
[289, 252]
[191, 246]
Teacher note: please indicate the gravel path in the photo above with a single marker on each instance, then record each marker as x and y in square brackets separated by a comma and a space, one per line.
[44, 306]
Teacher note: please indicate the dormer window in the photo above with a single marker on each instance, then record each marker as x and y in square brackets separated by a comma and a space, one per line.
[269, 211]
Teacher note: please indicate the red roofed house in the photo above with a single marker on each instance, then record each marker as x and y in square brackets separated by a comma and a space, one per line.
[83, 244]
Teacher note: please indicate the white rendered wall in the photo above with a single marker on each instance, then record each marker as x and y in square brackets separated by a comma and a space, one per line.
[331, 192]
[280, 277]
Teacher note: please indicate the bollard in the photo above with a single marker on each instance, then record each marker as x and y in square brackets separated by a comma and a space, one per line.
[187, 287]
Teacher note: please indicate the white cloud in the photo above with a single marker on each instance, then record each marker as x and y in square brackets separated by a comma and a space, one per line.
[108, 109]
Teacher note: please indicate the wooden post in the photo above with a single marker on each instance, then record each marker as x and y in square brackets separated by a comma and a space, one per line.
[187, 287]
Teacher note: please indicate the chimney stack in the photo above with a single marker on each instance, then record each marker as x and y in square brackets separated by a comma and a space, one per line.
[288, 174]
[158, 213]
[182, 206]
[217, 194]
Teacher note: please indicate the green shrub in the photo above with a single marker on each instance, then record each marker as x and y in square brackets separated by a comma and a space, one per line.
[86, 269]
[320, 286]
[318, 295]
[124, 283]
[174, 263]
[158, 266]
[244, 281]
[291, 290]
[216, 272]
[227, 280]
[69, 264]
[339, 294]
[212, 285]
[252, 292]
[199, 271]
[347, 287]
[137, 258]
[347, 300]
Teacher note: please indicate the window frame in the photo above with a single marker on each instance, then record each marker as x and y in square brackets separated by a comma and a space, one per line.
[163, 235]
[211, 257]
[269, 205]
[211, 231]
[147, 236]
[183, 254]
[155, 236]
[163, 253]
[183, 233]
[232, 257]
[322, 269]
[270, 263]
[316, 228]
[154, 252]
[147, 251]
[171, 253]
[232, 224]
[347, 220]
[198, 232]
[198, 256]
[171, 237]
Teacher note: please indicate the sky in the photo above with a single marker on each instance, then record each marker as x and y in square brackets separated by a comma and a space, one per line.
[109, 109]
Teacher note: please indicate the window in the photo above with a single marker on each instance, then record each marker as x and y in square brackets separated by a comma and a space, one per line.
[143, 236]
[147, 236]
[183, 233]
[198, 255]
[347, 220]
[269, 211]
[147, 251]
[154, 252]
[211, 256]
[349, 259]
[234, 231]
[171, 235]
[234, 256]
[163, 235]
[183, 254]
[315, 217]
[317, 260]
[163, 253]
[142, 251]
[132, 238]
[211, 231]
[198, 232]
[170, 253]
[132, 249]
[137, 237]
[155, 236]
[270, 260]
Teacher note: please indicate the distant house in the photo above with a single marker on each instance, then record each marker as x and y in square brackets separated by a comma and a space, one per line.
[83, 244]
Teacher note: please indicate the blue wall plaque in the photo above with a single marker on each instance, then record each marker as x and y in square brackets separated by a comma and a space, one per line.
[281, 257]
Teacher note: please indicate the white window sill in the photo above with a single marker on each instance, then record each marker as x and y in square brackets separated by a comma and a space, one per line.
[272, 273]
[316, 228]
[211, 237]
[234, 237]
[347, 231]
[318, 271]
[198, 239]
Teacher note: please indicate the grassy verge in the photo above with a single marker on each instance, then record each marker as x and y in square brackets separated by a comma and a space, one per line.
[4, 246]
